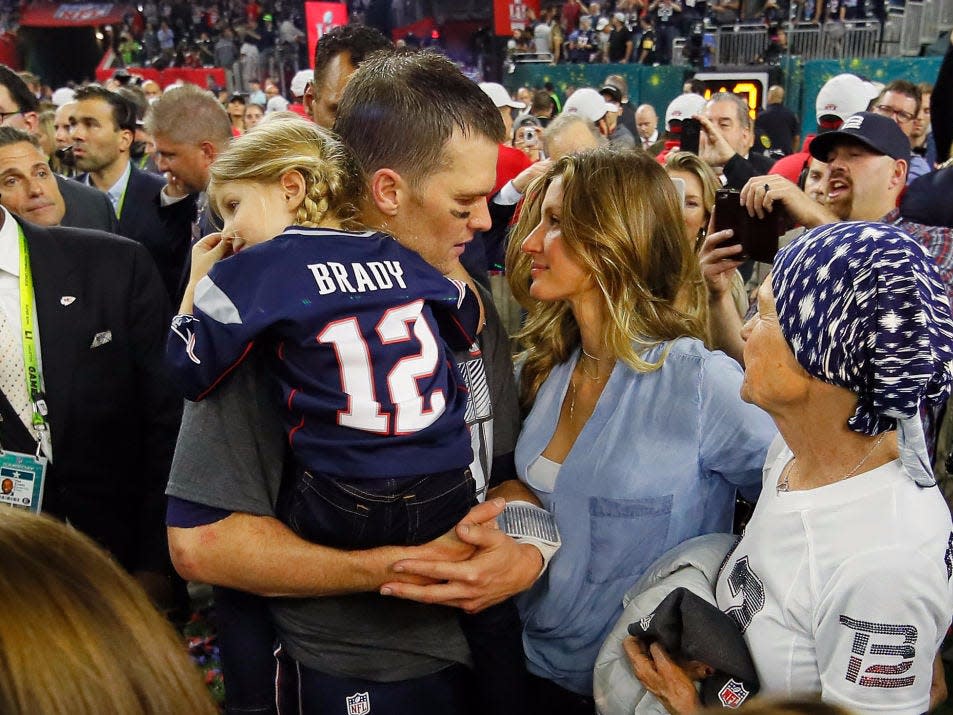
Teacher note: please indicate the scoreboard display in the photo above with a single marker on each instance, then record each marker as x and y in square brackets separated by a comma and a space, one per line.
[750, 86]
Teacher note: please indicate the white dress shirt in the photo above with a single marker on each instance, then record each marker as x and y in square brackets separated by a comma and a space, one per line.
[10, 285]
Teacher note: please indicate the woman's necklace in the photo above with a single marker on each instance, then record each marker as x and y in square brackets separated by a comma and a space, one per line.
[583, 365]
[784, 484]
[572, 383]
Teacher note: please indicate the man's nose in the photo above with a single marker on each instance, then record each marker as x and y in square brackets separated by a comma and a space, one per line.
[480, 218]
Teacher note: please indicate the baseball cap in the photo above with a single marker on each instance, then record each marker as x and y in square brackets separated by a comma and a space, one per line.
[587, 103]
[620, 16]
[299, 82]
[689, 627]
[881, 134]
[683, 107]
[237, 97]
[276, 104]
[64, 95]
[843, 95]
[611, 89]
[526, 120]
[499, 95]
[602, 24]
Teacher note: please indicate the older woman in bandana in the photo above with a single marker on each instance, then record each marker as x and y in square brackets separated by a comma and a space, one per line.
[841, 583]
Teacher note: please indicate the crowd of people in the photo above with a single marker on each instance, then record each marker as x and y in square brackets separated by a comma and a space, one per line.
[643, 31]
[250, 39]
[397, 512]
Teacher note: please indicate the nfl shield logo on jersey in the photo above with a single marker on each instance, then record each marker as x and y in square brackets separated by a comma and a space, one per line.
[360, 704]
[733, 694]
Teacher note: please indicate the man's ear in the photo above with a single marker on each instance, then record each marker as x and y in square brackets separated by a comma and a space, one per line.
[209, 151]
[308, 99]
[388, 190]
[126, 138]
[32, 121]
[899, 175]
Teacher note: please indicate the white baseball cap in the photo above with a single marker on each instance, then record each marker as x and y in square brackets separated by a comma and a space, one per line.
[64, 95]
[684, 106]
[299, 82]
[499, 95]
[276, 104]
[843, 95]
[587, 103]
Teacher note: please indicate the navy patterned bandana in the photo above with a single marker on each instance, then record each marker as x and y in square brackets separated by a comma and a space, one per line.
[863, 307]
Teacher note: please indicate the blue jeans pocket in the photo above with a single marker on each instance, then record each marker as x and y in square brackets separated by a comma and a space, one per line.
[326, 511]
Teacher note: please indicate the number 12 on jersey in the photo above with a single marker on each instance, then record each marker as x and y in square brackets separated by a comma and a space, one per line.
[400, 324]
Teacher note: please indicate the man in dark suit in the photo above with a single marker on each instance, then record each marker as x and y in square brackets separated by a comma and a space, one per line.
[31, 190]
[19, 110]
[103, 132]
[100, 313]
[726, 140]
[86, 207]
[185, 151]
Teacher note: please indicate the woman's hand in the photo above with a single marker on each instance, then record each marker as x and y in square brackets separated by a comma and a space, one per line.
[938, 692]
[718, 262]
[662, 677]
[498, 568]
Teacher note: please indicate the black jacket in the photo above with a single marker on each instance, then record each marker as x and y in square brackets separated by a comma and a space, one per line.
[113, 415]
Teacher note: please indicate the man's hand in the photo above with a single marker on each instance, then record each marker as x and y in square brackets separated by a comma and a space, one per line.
[662, 676]
[761, 193]
[532, 172]
[498, 568]
[713, 148]
[174, 188]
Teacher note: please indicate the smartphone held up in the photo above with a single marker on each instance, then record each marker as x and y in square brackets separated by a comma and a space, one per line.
[758, 237]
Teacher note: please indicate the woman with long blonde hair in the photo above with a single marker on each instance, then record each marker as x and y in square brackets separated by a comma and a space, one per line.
[635, 437]
[79, 636]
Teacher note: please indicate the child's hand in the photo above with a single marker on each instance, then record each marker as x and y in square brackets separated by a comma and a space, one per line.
[205, 253]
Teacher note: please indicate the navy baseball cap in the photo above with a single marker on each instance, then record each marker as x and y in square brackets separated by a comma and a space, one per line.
[689, 627]
[878, 133]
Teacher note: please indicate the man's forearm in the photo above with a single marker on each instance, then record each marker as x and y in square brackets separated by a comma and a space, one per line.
[261, 555]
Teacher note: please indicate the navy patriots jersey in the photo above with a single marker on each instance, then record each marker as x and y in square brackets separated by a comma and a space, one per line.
[355, 325]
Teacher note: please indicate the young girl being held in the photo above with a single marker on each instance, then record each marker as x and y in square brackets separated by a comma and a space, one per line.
[353, 328]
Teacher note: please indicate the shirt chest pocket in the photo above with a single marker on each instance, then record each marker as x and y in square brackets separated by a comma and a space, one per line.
[626, 535]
